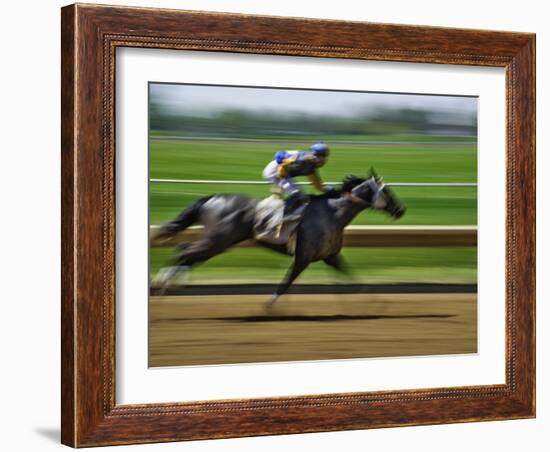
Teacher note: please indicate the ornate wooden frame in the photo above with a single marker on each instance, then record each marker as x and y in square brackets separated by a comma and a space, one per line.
[90, 35]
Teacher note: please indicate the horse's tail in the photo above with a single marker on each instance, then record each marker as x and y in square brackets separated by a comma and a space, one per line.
[181, 222]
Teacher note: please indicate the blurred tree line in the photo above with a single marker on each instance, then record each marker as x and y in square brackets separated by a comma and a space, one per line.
[243, 123]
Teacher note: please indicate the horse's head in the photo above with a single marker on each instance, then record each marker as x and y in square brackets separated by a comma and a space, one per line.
[373, 193]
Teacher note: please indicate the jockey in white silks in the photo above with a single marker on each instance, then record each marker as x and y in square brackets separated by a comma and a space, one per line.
[289, 164]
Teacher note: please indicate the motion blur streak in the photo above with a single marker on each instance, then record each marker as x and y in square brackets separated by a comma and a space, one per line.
[222, 133]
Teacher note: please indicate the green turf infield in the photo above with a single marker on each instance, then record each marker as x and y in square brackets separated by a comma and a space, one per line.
[368, 265]
[423, 159]
[213, 160]
[181, 159]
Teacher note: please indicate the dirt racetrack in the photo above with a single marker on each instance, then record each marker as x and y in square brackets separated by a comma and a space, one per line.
[199, 330]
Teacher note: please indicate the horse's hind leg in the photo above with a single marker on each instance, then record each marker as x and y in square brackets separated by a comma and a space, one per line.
[191, 254]
[201, 251]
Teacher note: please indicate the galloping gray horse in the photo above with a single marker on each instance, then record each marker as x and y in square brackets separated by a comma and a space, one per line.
[229, 219]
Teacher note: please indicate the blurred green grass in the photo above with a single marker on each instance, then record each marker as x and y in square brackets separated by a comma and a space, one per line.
[245, 160]
[368, 265]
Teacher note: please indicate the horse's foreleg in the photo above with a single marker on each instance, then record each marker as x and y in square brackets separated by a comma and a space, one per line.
[298, 267]
[337, 262]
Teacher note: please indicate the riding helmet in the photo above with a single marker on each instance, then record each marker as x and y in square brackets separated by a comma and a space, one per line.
[320, 149]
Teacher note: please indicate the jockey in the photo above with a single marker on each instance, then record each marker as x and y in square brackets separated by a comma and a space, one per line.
[288, 164]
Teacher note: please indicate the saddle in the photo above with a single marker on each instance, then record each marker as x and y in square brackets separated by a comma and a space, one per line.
[270, 226]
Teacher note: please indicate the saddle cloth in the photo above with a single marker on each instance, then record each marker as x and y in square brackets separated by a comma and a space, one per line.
[269, 226]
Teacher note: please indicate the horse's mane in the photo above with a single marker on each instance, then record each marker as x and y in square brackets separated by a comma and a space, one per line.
[348, 183]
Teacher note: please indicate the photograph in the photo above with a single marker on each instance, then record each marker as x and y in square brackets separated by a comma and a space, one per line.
[292, 224]
[285, 223]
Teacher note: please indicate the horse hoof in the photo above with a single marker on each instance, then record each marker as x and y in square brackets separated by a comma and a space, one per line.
[167, 275]
[271, 302]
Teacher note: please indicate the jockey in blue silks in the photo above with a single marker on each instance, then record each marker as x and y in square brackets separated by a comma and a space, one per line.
[289, 164]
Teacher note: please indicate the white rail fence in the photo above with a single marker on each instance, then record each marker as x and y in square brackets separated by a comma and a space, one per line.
[255, 182]
[355, 235]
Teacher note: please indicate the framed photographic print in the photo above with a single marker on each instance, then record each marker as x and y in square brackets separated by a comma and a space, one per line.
[281, 225]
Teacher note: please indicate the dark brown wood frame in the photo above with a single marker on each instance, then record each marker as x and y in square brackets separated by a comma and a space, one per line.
[90, 36]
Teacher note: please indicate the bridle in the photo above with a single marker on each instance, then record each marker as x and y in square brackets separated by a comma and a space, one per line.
[375, 188]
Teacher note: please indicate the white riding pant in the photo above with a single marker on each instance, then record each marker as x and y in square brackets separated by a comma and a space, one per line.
[286, 184]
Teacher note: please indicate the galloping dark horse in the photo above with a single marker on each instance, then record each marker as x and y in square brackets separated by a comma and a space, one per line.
[229, 219]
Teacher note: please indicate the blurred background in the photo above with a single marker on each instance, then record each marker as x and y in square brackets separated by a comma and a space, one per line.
[219, 133]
